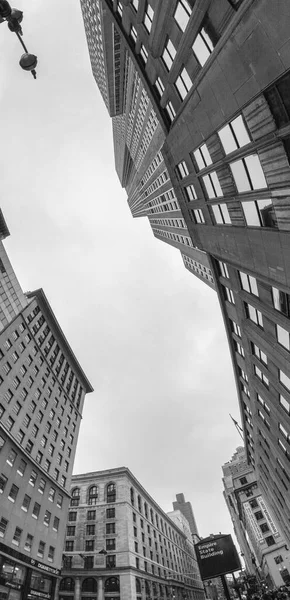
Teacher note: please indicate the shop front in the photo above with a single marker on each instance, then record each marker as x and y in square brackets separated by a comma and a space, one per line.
[29, 581]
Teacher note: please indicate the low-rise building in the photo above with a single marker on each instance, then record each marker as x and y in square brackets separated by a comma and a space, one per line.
[120, 544]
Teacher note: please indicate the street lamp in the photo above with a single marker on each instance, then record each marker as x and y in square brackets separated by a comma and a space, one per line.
[14, 17]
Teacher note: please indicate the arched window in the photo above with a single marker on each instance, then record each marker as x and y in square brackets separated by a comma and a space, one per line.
[67, 584]
[112, 584]
[75, 497]
[132, 496]
[111, 492]
[138, 585]
[147, 589]
[93, 495]
[154, 588]
[89, 585]
[161, 590]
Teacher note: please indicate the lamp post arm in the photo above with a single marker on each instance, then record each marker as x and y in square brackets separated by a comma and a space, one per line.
[21, 41]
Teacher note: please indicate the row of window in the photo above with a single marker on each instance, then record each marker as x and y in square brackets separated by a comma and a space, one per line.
[28, 543]
[72, 386]
[33, 479]
[93, 495]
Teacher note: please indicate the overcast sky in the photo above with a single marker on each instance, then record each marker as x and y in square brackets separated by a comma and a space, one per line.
[148, 334]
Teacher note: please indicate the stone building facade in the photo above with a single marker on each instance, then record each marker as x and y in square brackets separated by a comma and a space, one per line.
[42, 391]
[120, 544]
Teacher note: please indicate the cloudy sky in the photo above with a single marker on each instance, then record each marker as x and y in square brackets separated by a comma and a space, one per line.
[148, 334]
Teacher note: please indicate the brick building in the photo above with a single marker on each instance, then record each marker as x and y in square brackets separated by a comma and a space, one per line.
[42, 391]
[198, 92]
[120, 544]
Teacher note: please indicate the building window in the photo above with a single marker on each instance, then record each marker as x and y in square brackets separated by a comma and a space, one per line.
[41, 549]
[110, 561]
[90, 529]
[110, 528]
[3, 526]
[182, 169]
[168, 54]
[284, 380]
[120, 8]
[284, 404]
[47, 517]
[283, 337]
[221, 214]
[17, 536]
[70, 530]
[55, 524]
[88, 562]
[249, 283]
[69, 545]
[110, 513]
[277, 97]
[135, 4]
[229, 295]
[159, 86]
[136, 559]
[36, 510]
[183, 83]
[281, 301]
[111, 492]
[254, 314]
[3, 481]
[170, 111]
[203, 45]
[133, 34]
[13, 493]
[143, 54]
[28, 542]
[90, 545]
[93, 495]
[212, 185]
[198, 215]
[202, 157]
[11, 457]
[148, 17]
[259, 213]
[26, 503]
[72, 516]
[190, 192]
[259, 354]
[223, 268]
[261, 376]
[240, 350]
[182, 14]
[248, 173]
[75, 499]
[270, 540]
[234, 135]
[50, 554]
[110, 544]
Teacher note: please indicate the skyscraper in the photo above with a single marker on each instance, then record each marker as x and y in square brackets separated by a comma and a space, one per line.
[263, 546]
[198, 92]
[42, 391]
[120, 544]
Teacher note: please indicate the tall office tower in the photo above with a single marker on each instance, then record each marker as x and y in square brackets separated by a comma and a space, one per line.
[120, 544]
[262, 543]
[186, 509]
[42, 390]
[198, 91]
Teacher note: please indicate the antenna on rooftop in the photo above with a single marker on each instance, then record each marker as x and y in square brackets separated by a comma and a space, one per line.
[238, 427]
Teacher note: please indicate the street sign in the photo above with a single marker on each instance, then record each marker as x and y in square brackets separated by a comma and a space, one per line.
[217, 555]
